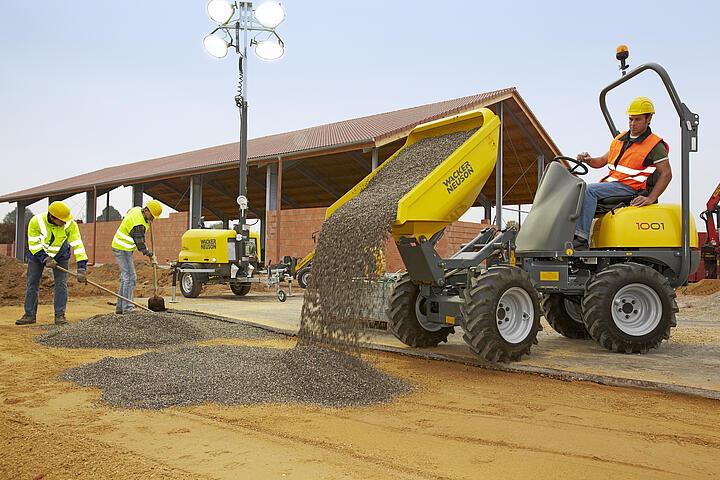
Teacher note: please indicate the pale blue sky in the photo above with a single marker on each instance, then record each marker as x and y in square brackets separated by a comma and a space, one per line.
[88, 84]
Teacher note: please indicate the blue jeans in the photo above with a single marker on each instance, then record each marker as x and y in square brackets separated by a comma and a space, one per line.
[128, 279]
[34, 274]
[593, 193]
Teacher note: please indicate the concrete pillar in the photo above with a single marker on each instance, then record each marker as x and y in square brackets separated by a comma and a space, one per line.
[20, 231]
[137, 195]
[374, 158]
[271, 183]
[90, 207]
[499, 171]
[195, 201]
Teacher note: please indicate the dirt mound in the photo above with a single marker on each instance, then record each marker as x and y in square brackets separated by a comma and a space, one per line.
[13, 277]
[706, 286]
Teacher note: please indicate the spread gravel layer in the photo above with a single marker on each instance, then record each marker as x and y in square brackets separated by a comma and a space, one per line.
[238, 376]
[349, 254]
[142, 329]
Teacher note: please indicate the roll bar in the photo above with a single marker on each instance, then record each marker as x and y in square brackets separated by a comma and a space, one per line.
[689, 122]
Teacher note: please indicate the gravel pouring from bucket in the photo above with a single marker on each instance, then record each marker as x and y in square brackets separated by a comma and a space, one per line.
[156, 303]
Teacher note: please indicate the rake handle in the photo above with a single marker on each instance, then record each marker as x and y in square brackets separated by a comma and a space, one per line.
[104, 289]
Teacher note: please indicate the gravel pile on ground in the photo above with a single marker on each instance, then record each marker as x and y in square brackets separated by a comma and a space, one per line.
[142, 329]
[351, 243]
[238, 376]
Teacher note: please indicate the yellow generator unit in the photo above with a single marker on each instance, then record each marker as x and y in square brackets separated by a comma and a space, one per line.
[211, 256]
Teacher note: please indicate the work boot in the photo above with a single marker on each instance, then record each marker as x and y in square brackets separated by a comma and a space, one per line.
[60, 320]
[580, 243]
[25, 320]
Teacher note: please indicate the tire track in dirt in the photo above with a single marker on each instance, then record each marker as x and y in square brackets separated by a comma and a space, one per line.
[102, 459]
[580, 456]
[520, 419]
[239, 425]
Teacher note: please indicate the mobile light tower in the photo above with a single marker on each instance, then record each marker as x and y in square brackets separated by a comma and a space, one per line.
[236, 21]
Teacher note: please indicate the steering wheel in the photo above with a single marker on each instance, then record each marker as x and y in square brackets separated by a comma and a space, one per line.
[581, 168]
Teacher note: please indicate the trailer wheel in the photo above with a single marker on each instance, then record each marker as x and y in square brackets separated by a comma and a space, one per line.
[501, 314]
[565, 315]
[629, 308]
[190, 284]
[240, 289]
[402, 317]
[303, 277]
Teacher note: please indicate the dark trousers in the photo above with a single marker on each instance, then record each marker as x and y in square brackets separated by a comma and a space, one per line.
[34, 273]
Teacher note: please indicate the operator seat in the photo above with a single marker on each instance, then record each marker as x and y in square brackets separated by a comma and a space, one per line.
[605, 205]
[554, 213]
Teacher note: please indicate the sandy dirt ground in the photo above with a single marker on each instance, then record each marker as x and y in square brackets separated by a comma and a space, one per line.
[460, 423]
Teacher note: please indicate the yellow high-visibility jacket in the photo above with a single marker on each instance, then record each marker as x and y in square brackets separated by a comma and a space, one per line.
[122, 239]
[49, 238]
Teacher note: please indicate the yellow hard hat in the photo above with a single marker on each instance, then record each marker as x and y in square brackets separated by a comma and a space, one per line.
[155, 208]
[641, 106]
[60, 211]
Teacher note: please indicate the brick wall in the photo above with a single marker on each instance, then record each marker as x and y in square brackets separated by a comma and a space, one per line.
[167, 231]
[7, 249]
[296, 231]
[296, 227]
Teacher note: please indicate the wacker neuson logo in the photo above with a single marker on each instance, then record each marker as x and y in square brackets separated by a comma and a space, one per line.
[458, 176]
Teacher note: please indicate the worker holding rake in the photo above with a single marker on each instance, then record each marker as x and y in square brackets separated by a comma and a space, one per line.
[51, 235]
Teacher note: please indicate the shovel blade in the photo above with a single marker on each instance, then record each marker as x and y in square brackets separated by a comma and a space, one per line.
[156, 304]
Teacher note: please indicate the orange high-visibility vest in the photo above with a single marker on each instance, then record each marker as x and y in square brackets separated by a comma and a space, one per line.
[630, 169]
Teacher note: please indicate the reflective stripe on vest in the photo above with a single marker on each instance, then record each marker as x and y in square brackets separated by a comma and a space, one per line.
[122, 239]
[40, 232]
[629, 169]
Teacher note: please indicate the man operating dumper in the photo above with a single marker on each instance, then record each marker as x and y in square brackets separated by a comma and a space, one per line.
[130, 236]
[633, 157]
[51, 235]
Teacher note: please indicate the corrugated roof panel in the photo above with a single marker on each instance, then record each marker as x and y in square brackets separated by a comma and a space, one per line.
[370, 128]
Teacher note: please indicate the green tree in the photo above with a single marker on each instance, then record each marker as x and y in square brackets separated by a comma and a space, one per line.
[114, 215]
[10, 217]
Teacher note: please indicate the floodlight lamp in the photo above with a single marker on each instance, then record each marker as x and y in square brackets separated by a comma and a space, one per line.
[269, 14]
[220, 11]
[215, 46]
[269, 49]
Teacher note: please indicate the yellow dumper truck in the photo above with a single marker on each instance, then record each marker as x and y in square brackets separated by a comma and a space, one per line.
[620, 292]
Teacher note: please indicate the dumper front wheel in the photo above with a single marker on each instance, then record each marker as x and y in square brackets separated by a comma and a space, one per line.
[405, 306]
[501, 314]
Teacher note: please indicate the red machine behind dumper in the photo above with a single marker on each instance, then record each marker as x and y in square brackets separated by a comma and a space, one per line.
[710, 250]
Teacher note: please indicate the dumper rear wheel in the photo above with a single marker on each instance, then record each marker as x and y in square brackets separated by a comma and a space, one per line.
[565, 315]
[629, 308]
[403, 317]
[501, 315]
